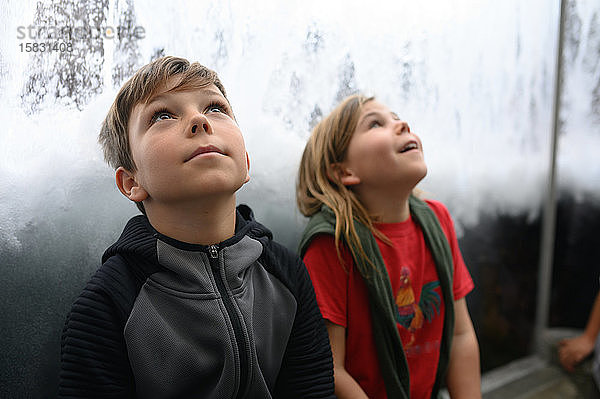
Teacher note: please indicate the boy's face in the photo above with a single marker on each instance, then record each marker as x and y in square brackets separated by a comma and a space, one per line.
[186, 146]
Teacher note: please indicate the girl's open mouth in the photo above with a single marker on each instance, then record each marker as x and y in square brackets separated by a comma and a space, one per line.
[409, 146]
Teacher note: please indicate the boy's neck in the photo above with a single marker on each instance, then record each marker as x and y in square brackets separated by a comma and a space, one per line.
[206, 222]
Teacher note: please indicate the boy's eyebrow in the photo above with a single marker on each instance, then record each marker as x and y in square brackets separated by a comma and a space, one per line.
[208, 93]
[154, 99]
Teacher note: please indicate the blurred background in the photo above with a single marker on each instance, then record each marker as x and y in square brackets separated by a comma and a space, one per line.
[477, 80]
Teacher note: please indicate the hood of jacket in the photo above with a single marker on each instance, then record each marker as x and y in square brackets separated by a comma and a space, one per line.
[137, 243]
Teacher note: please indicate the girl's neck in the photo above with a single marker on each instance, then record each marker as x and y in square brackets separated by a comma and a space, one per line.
[386, 207]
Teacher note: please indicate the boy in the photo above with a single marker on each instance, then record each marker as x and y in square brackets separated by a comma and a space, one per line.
[194, 300]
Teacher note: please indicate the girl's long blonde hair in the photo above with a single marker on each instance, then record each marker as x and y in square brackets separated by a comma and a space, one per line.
[317, 183]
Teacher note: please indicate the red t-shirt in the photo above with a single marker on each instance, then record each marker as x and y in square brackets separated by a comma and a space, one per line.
[343, 299]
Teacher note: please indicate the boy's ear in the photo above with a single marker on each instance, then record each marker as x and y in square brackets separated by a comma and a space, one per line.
[247, 168]
[129, 186]
[344, 175]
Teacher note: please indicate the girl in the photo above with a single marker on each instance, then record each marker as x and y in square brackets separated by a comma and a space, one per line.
[386, 267]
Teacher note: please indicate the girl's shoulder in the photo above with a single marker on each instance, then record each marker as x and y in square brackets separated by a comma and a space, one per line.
[438, 207]
[443, 215]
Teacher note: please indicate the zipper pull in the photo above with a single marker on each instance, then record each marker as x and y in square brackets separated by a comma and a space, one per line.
[213, 251]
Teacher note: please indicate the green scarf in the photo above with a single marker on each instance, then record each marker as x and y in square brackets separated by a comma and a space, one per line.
[384, 311]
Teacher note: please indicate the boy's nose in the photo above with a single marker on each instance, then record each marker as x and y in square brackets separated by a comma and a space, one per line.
[200, 124]
[204, 127]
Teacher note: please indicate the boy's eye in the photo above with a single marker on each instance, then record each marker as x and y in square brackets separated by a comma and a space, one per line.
[160, 116]
[216, 108]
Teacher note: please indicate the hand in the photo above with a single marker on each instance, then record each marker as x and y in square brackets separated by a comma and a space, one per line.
[572, 351]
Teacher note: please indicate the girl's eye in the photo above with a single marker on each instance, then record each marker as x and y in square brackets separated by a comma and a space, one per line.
[160, 116]
[374, 124]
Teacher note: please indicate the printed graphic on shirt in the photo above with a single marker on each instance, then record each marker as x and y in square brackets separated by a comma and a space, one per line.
[410, 314]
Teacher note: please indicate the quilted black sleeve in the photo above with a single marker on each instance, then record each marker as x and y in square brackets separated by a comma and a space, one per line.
[307, 367]
[94, 362]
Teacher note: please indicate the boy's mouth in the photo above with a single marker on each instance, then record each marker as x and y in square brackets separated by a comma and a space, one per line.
[204, 149]
[411, 145]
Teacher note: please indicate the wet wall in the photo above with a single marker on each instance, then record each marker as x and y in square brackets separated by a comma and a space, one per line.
[475, 81]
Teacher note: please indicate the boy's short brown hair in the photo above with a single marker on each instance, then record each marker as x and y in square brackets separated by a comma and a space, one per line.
[114, 133]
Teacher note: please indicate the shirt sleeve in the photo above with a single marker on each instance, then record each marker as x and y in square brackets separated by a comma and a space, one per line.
[330, 277]
[462, 281]
[94, 362]
[307, 367]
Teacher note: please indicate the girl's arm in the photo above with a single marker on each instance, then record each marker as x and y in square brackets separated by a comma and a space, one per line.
[464, 374]
[346, 387]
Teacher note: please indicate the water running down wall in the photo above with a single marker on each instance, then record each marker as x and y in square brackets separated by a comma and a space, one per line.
[474, 80]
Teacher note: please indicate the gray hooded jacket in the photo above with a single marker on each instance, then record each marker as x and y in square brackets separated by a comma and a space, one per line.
[166, 319]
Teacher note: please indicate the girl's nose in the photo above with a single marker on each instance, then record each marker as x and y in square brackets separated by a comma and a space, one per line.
[402, 127]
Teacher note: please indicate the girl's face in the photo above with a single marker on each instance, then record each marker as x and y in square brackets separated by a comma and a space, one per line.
[383, 153]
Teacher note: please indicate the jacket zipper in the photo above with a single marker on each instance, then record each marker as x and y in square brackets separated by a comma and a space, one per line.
[242, 344]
